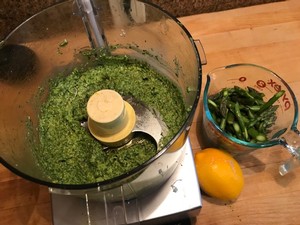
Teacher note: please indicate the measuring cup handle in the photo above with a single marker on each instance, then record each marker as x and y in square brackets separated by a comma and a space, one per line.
[289, 165]
[291, 141]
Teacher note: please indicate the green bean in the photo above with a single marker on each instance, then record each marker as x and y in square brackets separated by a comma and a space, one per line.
[223, 107]
[245, 93]
[267, 115]
[271, 101]
[250, 114]
[240, 120]
[223, 123]
[245, 119]
[212, 103]
[256, 94]
[243, 113]
[236, 127]
[257, 135]
[230, 117]
[254, 108]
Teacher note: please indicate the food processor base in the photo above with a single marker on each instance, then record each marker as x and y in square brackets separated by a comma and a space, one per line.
[177, 199]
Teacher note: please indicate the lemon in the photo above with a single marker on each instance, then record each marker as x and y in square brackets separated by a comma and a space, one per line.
[219, 174]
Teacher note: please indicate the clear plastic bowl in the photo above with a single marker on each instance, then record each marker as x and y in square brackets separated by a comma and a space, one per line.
[36, 51]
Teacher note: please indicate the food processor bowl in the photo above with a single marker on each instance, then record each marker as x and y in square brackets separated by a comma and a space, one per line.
[51, 42]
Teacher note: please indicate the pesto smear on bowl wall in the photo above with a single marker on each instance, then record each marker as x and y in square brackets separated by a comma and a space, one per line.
[68, 153]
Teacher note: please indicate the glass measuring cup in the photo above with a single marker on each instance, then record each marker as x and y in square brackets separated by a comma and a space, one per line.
[284, 132]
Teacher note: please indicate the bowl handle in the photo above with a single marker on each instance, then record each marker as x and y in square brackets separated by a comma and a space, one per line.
[291, 141]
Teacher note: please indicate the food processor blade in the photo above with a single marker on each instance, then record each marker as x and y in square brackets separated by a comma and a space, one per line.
[147, 120]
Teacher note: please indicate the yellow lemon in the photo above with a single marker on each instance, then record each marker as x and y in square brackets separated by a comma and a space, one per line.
[219, 174]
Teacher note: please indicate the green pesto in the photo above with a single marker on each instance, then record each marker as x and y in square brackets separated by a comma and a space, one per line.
[68, 153]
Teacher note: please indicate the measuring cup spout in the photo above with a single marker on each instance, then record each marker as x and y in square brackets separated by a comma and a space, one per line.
[291, 141]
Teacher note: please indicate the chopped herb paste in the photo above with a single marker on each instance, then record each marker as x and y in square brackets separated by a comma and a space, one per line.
[68, 153]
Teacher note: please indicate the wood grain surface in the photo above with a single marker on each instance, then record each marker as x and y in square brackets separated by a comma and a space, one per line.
[268, 35]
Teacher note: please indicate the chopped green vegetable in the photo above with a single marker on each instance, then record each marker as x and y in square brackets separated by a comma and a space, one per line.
[243, 113]
[63, 43]
[68, 153]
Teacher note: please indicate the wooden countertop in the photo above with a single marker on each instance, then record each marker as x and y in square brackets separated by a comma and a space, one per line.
[268, 35]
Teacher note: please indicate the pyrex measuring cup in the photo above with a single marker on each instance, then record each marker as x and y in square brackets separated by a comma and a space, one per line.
[284, 132]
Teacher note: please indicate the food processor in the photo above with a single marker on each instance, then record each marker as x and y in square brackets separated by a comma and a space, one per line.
[51, 43]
